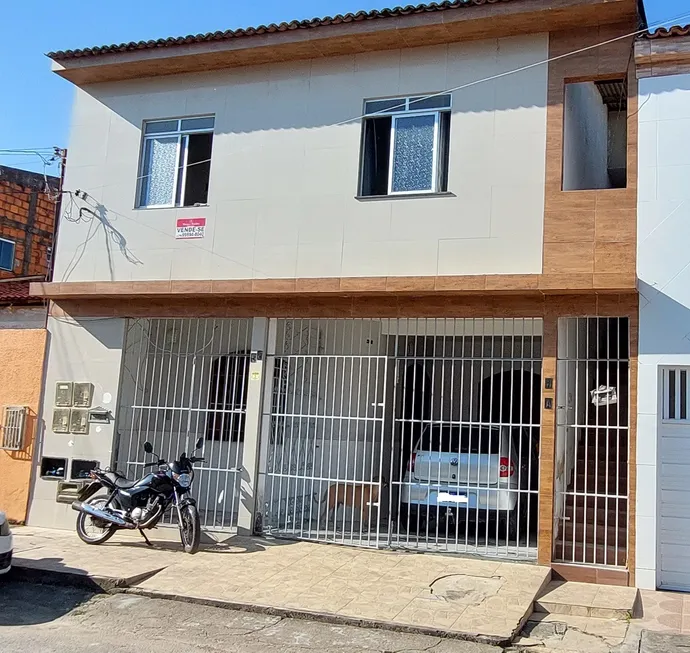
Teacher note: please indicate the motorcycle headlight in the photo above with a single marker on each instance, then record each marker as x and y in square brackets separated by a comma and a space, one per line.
[183, 480]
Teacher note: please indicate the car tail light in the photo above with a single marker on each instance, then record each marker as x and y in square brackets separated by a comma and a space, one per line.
[411, 462]
[506, 467]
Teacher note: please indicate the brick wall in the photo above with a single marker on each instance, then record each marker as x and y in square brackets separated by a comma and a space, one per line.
[27, 217]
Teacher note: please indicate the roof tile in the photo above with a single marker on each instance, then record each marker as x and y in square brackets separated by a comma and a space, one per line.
[17, 292]
[668, 32]
[273, 28]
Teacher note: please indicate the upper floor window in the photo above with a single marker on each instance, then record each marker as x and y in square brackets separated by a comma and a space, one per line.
[595, 135]
[405, 146]
[6, 254]
[176, 162]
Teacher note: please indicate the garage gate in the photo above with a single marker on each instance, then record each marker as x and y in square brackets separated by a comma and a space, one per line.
[405, 433]
[673, 473]
[184, 379]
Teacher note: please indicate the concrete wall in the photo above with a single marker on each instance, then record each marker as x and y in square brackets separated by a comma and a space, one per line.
[22, 355]
[284, 172]
[82, 350]
[585, 138]
[664, 272]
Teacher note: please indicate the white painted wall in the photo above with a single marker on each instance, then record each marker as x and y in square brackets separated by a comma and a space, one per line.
[664, 271]
[585, 138]
[284, 173]
[86, 350]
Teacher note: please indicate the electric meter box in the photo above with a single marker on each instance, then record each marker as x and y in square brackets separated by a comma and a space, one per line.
[79, 421]
[61, 417]
[83, 395]
[63, 394]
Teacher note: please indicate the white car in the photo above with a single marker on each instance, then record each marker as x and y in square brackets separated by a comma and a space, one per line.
[467, 468]
[5, 545]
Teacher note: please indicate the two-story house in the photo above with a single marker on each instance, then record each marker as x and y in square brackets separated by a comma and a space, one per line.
[28, 206]
[383, 263]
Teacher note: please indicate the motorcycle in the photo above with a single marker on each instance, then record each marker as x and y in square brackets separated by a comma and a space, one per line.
[140, 505]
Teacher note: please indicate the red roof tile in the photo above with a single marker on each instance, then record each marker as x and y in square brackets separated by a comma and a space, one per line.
[668, 32]
[17, 292]
[273, 28]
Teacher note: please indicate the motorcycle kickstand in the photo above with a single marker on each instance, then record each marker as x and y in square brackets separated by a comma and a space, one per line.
[148, 542]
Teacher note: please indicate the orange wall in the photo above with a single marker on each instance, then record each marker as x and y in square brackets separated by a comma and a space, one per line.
[21, 371]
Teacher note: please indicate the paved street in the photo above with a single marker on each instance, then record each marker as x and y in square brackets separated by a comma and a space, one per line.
[65, 620]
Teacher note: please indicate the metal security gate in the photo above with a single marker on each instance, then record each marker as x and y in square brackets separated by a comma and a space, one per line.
[411, 433]
[465, 463]
[591, 479]
[324, 465]
[185, 379]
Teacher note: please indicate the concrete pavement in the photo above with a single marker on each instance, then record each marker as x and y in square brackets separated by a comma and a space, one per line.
[54, 619]
[482, 600]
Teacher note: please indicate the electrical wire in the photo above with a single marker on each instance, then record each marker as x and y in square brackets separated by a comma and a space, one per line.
[82, 194]
[461, 87]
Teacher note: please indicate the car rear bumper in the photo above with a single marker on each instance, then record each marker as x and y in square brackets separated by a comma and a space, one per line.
[5, 561]
[460, 498]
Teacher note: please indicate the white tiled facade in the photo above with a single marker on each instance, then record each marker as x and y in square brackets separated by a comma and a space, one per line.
[664, 284]
[284, 173]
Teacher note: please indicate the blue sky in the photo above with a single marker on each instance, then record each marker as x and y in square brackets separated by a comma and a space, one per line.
[35, 112]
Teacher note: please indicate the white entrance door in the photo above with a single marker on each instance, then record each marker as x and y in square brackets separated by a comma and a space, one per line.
[674, 483]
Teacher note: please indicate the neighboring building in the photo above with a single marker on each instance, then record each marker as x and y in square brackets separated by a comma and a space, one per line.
[28, 206]
[663, 492]
[324, 295]
[27, 223]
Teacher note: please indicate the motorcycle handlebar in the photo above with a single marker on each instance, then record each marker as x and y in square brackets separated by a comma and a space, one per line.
[154, 463]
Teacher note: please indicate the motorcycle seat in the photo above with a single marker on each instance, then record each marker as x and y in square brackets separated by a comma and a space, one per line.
[119, 481]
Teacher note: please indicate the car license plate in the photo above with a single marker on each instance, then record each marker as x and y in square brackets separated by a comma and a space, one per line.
[452, 497]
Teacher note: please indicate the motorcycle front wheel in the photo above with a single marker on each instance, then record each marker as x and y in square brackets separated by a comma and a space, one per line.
[190, 528]
[91, 529]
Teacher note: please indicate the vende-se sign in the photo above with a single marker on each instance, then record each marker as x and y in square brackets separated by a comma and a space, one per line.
[190, 228]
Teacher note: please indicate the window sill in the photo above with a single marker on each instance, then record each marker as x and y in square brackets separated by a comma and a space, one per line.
[167, 208]
[408, 196]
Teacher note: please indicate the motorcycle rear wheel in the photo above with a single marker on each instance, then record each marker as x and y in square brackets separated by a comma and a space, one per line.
[190, 528]
[91, 529]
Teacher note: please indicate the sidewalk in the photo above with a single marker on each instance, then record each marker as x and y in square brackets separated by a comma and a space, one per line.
[482, 600]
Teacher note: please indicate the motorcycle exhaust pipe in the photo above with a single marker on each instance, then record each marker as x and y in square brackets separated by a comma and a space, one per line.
[101, 514]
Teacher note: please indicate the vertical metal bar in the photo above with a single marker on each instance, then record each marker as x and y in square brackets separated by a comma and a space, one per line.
[511, 419]
[442, 409]
[347, 421]
[239, 407]
[317, 429]
[378, 431]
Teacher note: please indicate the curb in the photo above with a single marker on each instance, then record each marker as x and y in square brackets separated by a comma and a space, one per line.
[97, 584]
[110, 585]
[323, 617]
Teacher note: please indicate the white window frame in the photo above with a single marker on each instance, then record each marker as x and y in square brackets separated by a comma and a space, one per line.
[14, 252]
[666, 418]
[434, 168]
[403, 110]
[182, 141]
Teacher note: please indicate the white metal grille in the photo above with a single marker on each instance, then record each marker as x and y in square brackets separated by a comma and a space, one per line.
[675, 394]
[592, 441]
[13, 428]
[326, 433]
[184, 379]
[413, 433]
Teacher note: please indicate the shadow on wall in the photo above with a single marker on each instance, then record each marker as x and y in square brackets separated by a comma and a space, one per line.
[664, 323]
[96, 215]
[310, 94]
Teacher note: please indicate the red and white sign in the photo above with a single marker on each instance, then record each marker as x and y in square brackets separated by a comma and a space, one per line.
[190, 228]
